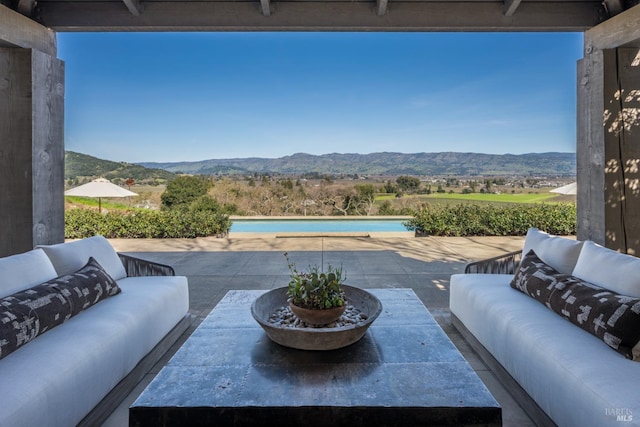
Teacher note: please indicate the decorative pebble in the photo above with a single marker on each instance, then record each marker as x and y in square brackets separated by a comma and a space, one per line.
[285, 318]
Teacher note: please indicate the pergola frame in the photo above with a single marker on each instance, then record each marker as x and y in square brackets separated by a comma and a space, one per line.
[310, 15]
[32, 87]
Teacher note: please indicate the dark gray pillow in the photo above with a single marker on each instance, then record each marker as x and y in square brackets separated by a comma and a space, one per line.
[537, 279]
[86, 287]
[30, 313]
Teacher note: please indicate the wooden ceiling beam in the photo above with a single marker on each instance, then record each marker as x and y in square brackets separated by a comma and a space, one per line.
[381, 7]
[510, 7]
[613, 7]
[134, 7]
[26, 7]
[621, 30]
[17, 30]
[321, 16]
[265, 7]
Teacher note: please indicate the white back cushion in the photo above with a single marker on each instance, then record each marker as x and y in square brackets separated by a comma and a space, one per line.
[561, 253]
[71, 256]
[23, 271]
[610, 269]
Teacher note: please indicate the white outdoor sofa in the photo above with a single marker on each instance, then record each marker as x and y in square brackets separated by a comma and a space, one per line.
[73, 344]
[567, 350]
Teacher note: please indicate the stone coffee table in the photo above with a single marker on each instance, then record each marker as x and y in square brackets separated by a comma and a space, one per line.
[403, 372]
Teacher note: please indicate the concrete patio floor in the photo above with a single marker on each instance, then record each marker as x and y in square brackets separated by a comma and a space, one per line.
[384, 260]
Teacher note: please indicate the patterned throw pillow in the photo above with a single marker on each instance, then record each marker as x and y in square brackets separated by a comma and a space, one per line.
[30, 313]
[536, 279]
[86, 287]
[613, 318]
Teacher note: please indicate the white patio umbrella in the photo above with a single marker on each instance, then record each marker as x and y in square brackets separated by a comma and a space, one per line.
[99, 188]
[566, 189]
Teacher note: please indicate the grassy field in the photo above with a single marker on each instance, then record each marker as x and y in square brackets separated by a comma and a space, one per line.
[497, 198]
[107, 204]
[481, 198]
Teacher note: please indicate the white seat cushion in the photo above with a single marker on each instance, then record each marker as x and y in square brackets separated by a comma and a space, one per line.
[609, 269]
[71, 256]
[561, 253]
[572, 375]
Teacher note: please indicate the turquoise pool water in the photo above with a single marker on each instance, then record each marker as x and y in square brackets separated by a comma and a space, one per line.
[317, 225]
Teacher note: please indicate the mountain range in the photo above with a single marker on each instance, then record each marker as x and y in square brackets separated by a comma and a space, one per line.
[82, 165]
[386, 163]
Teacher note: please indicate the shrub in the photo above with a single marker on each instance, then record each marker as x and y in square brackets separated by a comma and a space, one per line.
[176, 223]
[184, 190]
[493, 220]
[386, 208]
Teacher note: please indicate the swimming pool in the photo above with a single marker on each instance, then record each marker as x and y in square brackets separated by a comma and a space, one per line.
[317, 225]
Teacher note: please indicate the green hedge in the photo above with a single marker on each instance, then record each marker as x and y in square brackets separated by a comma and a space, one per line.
[436, 220]
[493, 220]
[80, 223]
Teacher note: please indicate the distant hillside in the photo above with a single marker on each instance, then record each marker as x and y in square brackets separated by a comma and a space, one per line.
[386, 163]
[78, 165]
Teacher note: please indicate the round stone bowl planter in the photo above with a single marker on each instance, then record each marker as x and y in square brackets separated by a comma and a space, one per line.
[317, 317]
[319, 338]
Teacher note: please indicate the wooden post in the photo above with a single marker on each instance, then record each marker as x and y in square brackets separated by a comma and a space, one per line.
[622, 149]
[31, 149]
[608, 146]
[590, 149]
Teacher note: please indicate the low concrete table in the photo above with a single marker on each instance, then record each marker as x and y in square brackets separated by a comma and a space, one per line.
[403, 372]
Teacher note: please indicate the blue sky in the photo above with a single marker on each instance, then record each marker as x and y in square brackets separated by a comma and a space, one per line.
[192, 96]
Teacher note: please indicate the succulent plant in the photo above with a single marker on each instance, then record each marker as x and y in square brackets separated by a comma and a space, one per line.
[315, 289]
